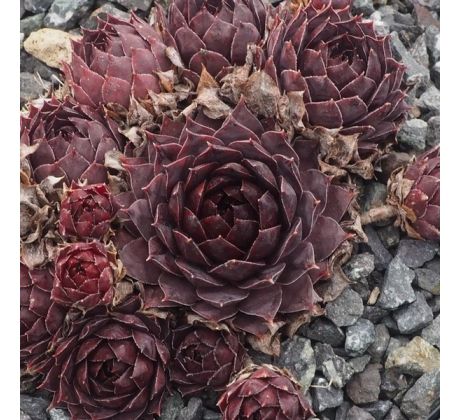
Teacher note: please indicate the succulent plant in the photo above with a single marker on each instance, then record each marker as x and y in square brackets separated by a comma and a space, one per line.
[84, 275]
[109, 366]
[229, 225]
[204, 359]
[40, 317]
[415, 191]
[67, 140]
[264, 392]
[215, 33]
[86, 211]
[118, 60]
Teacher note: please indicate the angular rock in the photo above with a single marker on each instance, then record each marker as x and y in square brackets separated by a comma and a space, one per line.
[428, 280]
[30, 64]
[415, 316]
[31, 24]
[324, 331]
[432, 332]
[364, 387]
[433, 42]
[374, 313]
[358, 364]
[51, 46]
[381, 254]
[298, 356]
[337, 371]
[172, 407]
[434, 131]
[396, 288]
[378, 409]
[143, 5]
[34, 407]
[393, 382]
[360, 266]
[390, 323]
[342, 411]
[64, 14]
[359, 337]
[357, 413]
[346, 309]
[37, 6]
[430, 100]
[396, 343]
[366, 7]
[193, 411]
[381, 27]
[435, 304]
[325, 396]
[416, 358]
[102, 12]
[436, 74]
[32, 88]
[420, 52]
[395, 414]
[412, 135]
[416, 73]
[59, 414]
[422, 397]
[323, 352]
[378, 348]
[389, 235]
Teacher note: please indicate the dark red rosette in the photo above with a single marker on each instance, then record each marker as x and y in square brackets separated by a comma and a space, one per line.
[415, 191]
[40, 317]
[204, 359]
[116, 61]
[86, 211]
[84, 275]
[264, 392]
[229, 222]
[63, 139]
[110, 366]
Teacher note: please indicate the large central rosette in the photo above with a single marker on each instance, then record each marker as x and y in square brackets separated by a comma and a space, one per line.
[231, 224]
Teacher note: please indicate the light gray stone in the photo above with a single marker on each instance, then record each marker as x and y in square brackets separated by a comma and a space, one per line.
[358, 364]
[381, 254]
[434, 131]
[436, 75]
[59, 414]
[415, 316]
[64, 14]
[298, 356]
[31, 24]
[420, 52]
[337, 370]
[420, 399]
[381, 27]
[360, 266]
[37, 6]
[430, 100]
[34, 407]
[433, 42]
[378, 409]
[346, 309]
[366, 7]
[431, 333]
[359, 337]
[428, 280]
[412, 134]
[325, 396]
[396, 288]
[172, 407]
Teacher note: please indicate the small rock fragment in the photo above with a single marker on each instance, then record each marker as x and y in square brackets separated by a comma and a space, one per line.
[32, 87]
[37, 6]
[374, 313]
[143, 5]
[357, 413]
[31, 24]
[381, 254]
[430, 99]
[359, 266]
[414, 317]
[365, 387]
[422, 397]
[432, 332]
[378, 409]
[433, 135]
[172, 407]
[325, 396]
[433, 42]
[395, 414]
[419, 51]
[35, 407]
[346, 309]
[393, 382]
[59, 414]
[193, 411]
[359, 337]
[416, 358]
[298, 356]
[378, 348]
[51, 46]
[64, 14]
[358, 364]
[396, 288]
[337, 371]
[412, 134]
[428, 280]
[324, 331]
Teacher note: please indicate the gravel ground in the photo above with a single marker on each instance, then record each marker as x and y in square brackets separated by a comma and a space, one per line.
[375, 353]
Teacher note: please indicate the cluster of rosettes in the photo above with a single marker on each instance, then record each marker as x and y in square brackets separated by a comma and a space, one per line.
[174, 203]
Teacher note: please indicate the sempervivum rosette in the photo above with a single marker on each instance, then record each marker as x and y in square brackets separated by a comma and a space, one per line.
[85, 274]
[204, 359]
[109, 366]
[230, 225]
[40, 317]
[264, 392]
[118, 60]
[215, 33]
[351, 85]
[415, 190]
[86, 211]
[68, 141]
